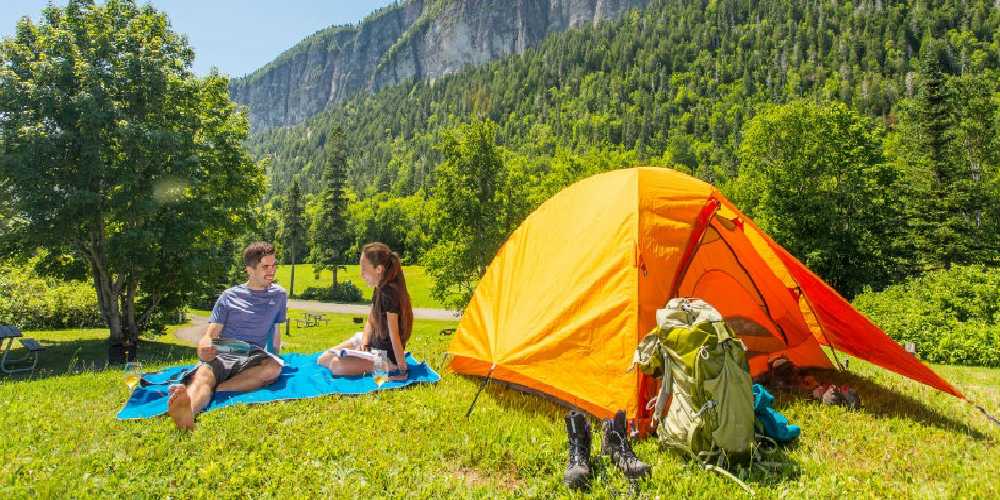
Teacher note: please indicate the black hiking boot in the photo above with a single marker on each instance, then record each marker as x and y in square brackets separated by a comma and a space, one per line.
[578, 470]
[615, 445]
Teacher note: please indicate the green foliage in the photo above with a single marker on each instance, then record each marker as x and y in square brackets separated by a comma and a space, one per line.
[479, 202]
[343, 292]
[115, 153]
[953, 316]
[812, 176]
[327, 233]
[30, 301]
[403, 223]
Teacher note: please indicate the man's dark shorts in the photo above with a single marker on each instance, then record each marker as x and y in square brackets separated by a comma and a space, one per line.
[228, 365]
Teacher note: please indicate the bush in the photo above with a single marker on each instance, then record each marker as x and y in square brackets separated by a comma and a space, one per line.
[32, 302]
[344, 291]
[952, 316]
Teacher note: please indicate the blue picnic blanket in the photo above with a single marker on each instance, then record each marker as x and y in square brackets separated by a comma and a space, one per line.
[300, 378]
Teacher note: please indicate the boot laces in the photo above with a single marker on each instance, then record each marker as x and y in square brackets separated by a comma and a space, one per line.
[625, 454]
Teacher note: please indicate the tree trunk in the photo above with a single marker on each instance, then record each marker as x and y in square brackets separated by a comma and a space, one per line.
[291, 283]
[107, 298]
[131, 327]
[333, 286]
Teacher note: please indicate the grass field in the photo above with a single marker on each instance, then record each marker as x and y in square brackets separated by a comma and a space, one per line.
[417, 282]
[61, 438]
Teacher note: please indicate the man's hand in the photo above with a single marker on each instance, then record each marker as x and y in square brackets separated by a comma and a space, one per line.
[206, 351]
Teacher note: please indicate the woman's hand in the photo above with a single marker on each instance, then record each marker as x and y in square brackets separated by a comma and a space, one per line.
[400, 374]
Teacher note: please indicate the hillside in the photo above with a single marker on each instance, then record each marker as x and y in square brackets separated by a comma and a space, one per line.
[677, 80]
[412, 40]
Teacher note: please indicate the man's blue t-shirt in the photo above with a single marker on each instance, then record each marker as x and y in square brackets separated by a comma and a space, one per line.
[250, 315]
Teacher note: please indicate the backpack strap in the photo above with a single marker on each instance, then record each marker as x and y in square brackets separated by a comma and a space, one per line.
[724, 473]
[666, 387]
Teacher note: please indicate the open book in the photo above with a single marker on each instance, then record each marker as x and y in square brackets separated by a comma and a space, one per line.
[232, 346]
[355, 354]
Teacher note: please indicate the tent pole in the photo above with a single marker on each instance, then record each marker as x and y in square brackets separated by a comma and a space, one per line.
[991, 418]
[833, 348]
[697, 234]
[481, 387]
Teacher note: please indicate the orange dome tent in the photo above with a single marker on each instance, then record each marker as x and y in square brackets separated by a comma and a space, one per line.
[565, 301]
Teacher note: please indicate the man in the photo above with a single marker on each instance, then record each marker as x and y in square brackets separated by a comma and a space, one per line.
[247, 312]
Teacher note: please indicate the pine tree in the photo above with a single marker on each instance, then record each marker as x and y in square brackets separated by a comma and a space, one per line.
[293, 231]
[328, 232]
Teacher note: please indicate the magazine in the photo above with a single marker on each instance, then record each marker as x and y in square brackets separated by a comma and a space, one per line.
[232, 346]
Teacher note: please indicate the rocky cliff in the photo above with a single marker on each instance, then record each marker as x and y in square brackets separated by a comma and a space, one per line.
[414, 39]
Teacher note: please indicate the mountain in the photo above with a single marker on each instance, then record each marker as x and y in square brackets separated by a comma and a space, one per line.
[676, 81]
[413, 40]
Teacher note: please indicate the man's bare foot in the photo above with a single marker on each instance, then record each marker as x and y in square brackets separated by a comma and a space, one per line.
[179, 407]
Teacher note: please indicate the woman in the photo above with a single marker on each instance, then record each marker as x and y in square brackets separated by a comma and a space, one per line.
[389, 322]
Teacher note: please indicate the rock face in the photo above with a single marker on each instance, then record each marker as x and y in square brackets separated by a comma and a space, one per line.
[415, 39]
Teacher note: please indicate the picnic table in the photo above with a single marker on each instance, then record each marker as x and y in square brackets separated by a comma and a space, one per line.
[7, 335]
[311, 319]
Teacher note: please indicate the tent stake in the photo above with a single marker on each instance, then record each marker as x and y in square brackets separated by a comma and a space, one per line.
[481, 387]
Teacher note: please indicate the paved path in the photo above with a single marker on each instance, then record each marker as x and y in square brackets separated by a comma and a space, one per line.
[418, 313]
[192, 334]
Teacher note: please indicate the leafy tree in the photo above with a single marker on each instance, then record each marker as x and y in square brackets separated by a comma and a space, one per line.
[403, 223]
[328, 233]
[114, 152]
[293, 230]
[479, 203]
[812, 175]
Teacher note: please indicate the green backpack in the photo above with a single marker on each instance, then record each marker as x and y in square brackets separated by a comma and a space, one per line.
[704, 366]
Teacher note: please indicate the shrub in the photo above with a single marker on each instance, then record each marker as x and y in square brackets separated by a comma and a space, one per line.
[344, 291]
[32, 302]
[952, 316]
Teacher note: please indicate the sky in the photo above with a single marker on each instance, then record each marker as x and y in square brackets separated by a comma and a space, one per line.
[236, 36]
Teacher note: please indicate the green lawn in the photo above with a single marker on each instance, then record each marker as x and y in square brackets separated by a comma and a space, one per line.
[61, 438]
[418, 283]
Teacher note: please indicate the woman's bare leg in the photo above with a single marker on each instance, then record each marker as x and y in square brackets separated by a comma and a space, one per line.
[348, 365]
[350, 343]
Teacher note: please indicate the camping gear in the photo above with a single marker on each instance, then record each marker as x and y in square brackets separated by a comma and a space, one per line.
[707, 378]
[300, 378]
[562, 306]
[781, 374]
[615, 445]
[839, 396]
[578, 469]
[772, 423]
